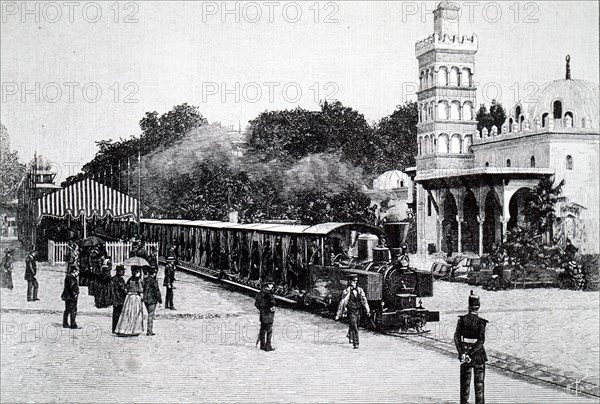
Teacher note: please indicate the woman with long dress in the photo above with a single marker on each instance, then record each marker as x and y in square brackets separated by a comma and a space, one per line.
[132, 319]
[102, 298]
[6, 268]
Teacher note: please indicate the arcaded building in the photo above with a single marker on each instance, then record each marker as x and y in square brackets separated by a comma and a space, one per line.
[470, 184]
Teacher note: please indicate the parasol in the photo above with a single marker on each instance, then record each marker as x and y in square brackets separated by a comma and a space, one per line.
[92, 241]
[135, 261]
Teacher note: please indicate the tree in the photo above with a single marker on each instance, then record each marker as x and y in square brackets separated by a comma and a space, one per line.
[530, 246]
[484, 119]
[11, 170]
[395, 140]
[290, 135]
[118, 157]
[496, 116]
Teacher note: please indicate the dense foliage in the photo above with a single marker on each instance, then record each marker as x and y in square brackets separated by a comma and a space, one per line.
[11, 170]
[495, 117]
[302, 165]
[530, 248]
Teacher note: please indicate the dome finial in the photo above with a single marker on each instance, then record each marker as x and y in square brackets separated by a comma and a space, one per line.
[568, 58]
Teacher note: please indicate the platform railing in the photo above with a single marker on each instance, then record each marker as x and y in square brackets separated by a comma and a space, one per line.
[118, 251]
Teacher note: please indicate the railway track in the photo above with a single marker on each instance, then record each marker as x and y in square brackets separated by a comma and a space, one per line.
[510, 365]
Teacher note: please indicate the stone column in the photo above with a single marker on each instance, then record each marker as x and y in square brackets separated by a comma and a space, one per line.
[440, 236]
[459, 221]
[480, 220]
[504, 222]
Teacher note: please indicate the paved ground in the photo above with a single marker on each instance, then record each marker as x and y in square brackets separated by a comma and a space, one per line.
[205, 352]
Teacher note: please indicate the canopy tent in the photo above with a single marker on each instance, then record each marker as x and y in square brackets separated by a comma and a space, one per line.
[89, 199]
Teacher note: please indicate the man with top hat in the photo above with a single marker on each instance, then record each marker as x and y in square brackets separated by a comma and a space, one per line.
[353, 300]
[30, 276]
[168, 282]
[70, 296]
[151, 297]
[118, 293]
[265, 303]
[469, 339]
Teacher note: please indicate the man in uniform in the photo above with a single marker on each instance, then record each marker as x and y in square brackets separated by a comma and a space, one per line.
[354, 300]
[30, 273]
[168, 282]
[265, 303]
[151, 297]
[70, 295]
[469, 339]
[118, 293]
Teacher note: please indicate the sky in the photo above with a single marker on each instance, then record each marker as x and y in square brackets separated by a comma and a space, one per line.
[75, 73]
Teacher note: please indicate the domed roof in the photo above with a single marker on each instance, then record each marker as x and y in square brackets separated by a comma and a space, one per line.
[392, 179]
[580, 97]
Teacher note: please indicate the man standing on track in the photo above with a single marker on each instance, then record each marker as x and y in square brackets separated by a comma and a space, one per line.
[354, 300]
[265, 303]
[469, 339]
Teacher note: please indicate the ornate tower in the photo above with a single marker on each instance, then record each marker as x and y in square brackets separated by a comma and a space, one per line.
[446, 102]
[446, 96]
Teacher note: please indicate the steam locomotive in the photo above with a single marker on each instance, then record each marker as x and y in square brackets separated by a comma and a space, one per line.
[309, 264]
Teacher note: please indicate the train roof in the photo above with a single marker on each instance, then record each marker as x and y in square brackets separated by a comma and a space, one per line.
[320, 229]
[329, 227]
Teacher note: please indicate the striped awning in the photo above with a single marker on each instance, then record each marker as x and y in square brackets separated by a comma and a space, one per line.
[90, 198]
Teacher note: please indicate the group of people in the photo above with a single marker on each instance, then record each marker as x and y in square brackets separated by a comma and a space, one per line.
[134, 302]
[6, 269]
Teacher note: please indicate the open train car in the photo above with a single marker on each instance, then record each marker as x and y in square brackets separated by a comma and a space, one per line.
[309, 264]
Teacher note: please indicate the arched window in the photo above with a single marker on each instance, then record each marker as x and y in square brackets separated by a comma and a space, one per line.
[544, 120]
[442, 143]
[465, 77]
[569, 162]
[557, 108]
[467, 111]
[401, 184]
[442, 77]
[441, 110]
[532, 162]
[455, 110]
[453, 79]
[521, 122]
[467, 144]
[568, 119]
[517, 112]
[510, 123]
[487, 164]
[507, 162]
[456, 144]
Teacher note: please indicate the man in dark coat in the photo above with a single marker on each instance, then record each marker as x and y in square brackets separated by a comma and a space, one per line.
[72, 255]
[168, 282]
[265, 303]
[70, 295]
[30, 276]
[118, 293]
[151, 297]
[469, 339]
